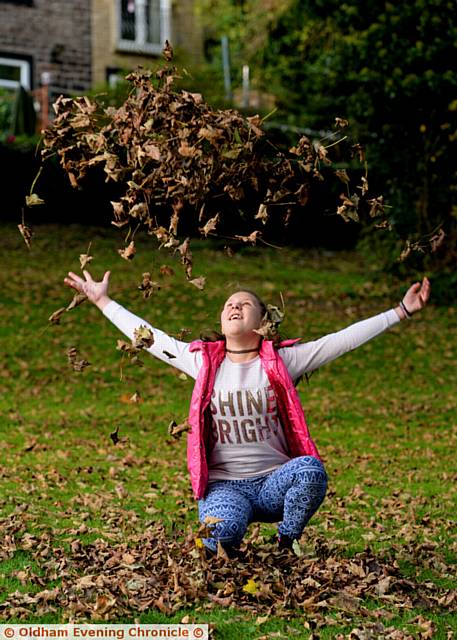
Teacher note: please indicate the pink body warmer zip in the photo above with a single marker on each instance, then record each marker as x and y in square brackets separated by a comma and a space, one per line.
[290, 411]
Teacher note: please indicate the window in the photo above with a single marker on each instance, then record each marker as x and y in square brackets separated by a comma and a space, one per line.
[144, 25]
[14, 73]
[26, 3]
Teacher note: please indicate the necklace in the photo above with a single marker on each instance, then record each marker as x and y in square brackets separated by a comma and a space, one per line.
[242, 350]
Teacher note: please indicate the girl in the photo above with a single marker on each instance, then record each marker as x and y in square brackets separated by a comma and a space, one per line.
[249, 453]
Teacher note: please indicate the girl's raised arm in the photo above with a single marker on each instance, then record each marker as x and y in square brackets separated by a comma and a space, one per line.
[165, 348]
[306, 357]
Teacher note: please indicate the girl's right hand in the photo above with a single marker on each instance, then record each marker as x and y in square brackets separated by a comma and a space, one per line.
[96, 292]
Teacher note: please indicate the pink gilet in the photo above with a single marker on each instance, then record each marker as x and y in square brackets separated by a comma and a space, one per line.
[290, 411]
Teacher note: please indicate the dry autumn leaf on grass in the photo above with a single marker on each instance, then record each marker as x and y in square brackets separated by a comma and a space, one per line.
[159, 570]
[115, 437]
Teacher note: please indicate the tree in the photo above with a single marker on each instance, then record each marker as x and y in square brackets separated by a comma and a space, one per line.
[387, 68]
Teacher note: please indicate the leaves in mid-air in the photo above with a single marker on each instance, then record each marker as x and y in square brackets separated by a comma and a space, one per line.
[26, 233]
[176, 430]
[76, 362]
[33, 200]
[143, 338]
[128, 253]
[148, 286]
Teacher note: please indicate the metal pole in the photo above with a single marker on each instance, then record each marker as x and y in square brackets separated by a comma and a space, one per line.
[226, 67]
[245, 86]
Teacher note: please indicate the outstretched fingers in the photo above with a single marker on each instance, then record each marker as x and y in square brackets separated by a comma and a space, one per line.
[88, 276]
[425, 289]
[74, 281]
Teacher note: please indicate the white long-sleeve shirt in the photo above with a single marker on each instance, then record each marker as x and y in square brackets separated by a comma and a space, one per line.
[248, 439]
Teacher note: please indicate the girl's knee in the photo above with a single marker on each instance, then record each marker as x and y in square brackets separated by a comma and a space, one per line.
[229, 533]
[233, 519]
[310, 472]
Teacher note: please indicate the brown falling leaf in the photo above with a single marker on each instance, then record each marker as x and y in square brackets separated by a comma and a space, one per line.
[176, 430]
[359, 151]
[143, 338]
[148, 286]
[131, 352]
[129, 252]
[341, 123]
[26, 233]
[364, 186]
[377, 206]
[78, 299]
[199, 282]
[55, 317]
[253, 237]
[210, 225]
[84, 260]
[342, 174]
[406, 251]
[186, 257]
[302, 196]
[167, 51]
[437, 240]
[77, 364]
[183, 333]
[33, 200]
[165, 270]
[262, 213]
[211, 520]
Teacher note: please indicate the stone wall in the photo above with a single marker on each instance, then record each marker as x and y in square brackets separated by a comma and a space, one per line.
[54, 35]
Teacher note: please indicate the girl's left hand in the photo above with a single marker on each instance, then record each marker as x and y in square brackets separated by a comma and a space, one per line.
[417, 296]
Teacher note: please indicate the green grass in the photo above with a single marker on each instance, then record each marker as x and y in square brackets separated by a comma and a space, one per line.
[384, 416]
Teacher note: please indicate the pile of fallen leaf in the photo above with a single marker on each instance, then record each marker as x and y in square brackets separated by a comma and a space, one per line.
[106, 581]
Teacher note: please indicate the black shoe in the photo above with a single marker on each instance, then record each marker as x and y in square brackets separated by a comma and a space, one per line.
[284, 542]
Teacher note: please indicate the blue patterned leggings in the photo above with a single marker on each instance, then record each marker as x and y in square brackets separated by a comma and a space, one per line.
[290, 494]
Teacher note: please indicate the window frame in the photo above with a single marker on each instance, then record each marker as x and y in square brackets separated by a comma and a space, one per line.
[25, 79]
[140, 44]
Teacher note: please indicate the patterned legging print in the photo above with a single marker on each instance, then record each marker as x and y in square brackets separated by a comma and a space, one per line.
[290, 494]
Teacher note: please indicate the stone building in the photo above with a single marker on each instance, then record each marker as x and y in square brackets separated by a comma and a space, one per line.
[46, 42]
[129, 33]
[54, 47]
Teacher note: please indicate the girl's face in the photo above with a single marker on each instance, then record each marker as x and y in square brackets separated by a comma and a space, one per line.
[241, 314]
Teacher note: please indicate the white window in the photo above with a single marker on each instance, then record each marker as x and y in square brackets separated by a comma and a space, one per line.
[144, 25]
[14, 73]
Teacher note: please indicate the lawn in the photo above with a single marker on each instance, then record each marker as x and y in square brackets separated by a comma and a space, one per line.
[95, 530]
